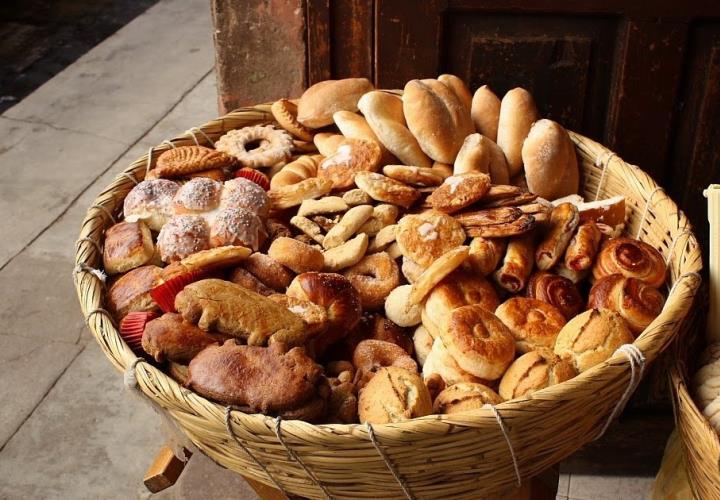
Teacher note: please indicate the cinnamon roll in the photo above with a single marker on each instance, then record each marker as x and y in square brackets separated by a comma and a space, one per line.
[631, 258]
[557, 291]
[636, 301]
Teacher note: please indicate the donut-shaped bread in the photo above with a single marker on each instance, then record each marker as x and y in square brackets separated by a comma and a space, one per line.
[631, 258]
[339, 298]
[533, 323]
[183, 235]
[296, 255]
[636, 301]
[460, 288]
[197, 196]
[237, 226]
[244, 193]
[371, 355]
[273, 145]
[374, 277]
[151, 202]
[480, 343]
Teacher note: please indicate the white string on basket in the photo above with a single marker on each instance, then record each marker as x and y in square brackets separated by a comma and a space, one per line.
[645, 211]
[684, 232]
[84, 268]
[130, 176]
[106, 211]
[637, 366]
[99, 310]
[388, 463]
[604, 164]
[149, 160]
[231, 432]
[192, 133]
[294, 456]
[506, 435]
[92, 242]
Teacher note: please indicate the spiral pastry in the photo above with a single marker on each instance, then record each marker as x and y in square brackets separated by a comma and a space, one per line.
[636, 301]
[631, 258]
[557, 291]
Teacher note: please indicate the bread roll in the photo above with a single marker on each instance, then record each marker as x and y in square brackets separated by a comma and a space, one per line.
[127, 245]
[464, 397]
[533, 323]
[460, 288]
[533, 371]
[458, 88]
[439, 362]
[354, 126]
[517, 114]
[384, 114]
[485, 112]
[436, 118]
[551, 168]
[393, 395]
[474, 155]
[592, 337]
[320, 101]
[131, 291]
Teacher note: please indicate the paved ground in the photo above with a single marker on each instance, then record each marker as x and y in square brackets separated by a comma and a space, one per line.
[67, 429]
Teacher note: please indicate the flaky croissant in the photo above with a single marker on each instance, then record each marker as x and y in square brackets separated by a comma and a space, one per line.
[631, 258]
[637, 302]
[557, 291]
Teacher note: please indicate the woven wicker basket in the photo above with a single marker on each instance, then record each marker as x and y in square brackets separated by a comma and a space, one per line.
[430, 457]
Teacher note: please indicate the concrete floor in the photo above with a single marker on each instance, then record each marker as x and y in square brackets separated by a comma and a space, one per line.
[67, 429]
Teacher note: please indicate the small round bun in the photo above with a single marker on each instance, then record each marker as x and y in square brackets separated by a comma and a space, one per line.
[439, 362]
[534, 324]
[151, 201]
[533, 371]
[465, 397]
[296, 255]
[181, 236]
[460, 288]
[244, 193]
[197, 196]
[398, 308]
[592, 337]
[393, 395]
[237, 226]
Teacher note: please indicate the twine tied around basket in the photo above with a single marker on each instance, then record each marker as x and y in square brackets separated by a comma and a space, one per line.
[388, 463]
[604, 164]
[84, 268]
[151, 150]
[645, 211]
[506, 435]
[637, 366]
[192, 132]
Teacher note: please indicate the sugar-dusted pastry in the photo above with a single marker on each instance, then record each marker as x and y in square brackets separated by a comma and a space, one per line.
[393, 395]
[557, 291]
[237, 226]
[465, 397]
[243, 193]
[274, 145]
[385, 189]
[169, 337]
[351, 156]
[228, 308]
[636, 301]
[533, 323]
[321, 100]
[426, 236]
[533, 371]
[374, 277]
[197, 196]
[151, 201]
[185, 160]
[183, 235]
[631, 258]
[458, 191]
[127, 245]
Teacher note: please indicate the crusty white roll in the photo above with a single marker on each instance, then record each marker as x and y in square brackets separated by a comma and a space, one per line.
[517, 114]
[384, 114]
[354, 126]
[480, 154]
[320, 101]
[485, 112]
[533, 371]
[458, 88]
[437, 118]
[551, 168]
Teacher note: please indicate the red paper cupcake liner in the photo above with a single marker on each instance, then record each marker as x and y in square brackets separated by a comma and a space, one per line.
[132, 327]
[164, 294]
[253, 175]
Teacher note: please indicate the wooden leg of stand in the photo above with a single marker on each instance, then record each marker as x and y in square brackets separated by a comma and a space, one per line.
[164, 471]
[266, 492]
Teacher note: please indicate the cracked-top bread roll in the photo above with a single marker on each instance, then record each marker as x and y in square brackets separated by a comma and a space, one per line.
[393, 395]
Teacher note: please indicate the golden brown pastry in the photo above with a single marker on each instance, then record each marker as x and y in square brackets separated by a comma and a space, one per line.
[551, 168]
[269, 271]
[181, 161]
[327, 143]
[485, 254]
[631, 258]
[292, 195]
[313, 315]
[534, 324]
[374, 277]
[564, 219]
[437, 118]
[557, 291]
[354, 126]
[458, 289]
[131, 291]
[424, 237]
[346, 255]
[297, 256]
[370, 355]
[517, 263]
[393, 395]
[339, 298]
[417, 176]
[400, 310]
[385, 189]
[263, 379]
[459, 191]
[436, 272]
[485, 112]
[465, 397]
[349, 224]
[592, 337]
[298, 170]
[583, 247]
[228, 308]
[439, 362]
[422, 344]
[320, 101]
[498, 222]
[533, 371]
[636, 301]
[244, 278]
[127, 245]
[285, 113]
[517, 114]
[169, 337]
[480, 343]
[352, 156]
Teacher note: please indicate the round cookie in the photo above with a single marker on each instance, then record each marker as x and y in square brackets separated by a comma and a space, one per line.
[424, 237]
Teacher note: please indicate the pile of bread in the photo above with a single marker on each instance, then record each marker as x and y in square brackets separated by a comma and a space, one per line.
[375, 256]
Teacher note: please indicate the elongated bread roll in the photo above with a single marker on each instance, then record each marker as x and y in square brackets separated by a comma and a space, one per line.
[437, 118]
[354, 126]
[551, 168]
[517, 114]
[480, 154]
[384, 114]
[320, 101]
[459, 89]
[485, 112]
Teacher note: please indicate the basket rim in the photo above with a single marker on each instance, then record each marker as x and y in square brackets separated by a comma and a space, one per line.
[124, 357]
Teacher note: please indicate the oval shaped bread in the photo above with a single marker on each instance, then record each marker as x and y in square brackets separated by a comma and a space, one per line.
[551, 168]
[320, 101]
[437, 118]
[517, 114]
[458, 88]
[485, 112]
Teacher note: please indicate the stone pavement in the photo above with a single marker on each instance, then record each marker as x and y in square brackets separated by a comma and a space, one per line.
[67, 429]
